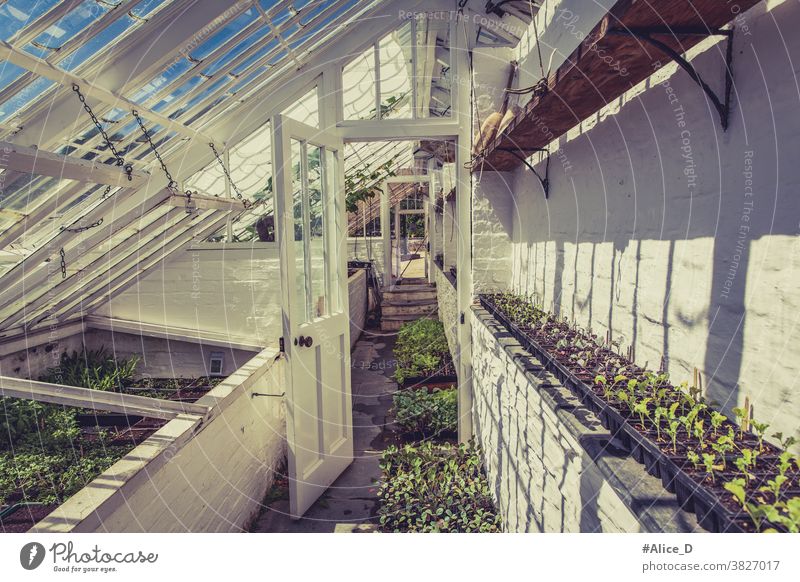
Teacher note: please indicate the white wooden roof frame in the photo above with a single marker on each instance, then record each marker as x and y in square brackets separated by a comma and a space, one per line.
[282, 88]
[40, 162]
[97, 267]
[98, 399]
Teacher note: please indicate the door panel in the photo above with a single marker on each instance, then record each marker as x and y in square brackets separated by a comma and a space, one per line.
[316, 327]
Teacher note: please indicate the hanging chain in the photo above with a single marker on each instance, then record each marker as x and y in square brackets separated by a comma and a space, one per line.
[246, 203]
[119, 159]
[63, 263]
[95, 224]
[171, 182]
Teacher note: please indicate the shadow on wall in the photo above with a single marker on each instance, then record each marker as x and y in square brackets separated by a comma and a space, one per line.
[680, 239]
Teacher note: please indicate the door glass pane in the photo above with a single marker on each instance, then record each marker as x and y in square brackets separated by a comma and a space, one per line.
[317, 234]
[300, 302]
[336, 244]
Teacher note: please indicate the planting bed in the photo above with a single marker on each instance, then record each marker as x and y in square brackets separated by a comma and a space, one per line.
[724, 471]
[49, 452]
[423, 356]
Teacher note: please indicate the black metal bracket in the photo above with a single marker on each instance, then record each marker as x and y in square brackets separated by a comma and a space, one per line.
[544, 181]
[281, 395]
[723, 106]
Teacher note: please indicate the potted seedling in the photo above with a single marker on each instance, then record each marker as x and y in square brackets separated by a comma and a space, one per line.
[642, 408]
[711, 465]
[717, 420]
[761, 430]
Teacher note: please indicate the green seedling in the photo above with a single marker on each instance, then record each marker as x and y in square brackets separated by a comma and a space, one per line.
[642, 408]
[722, 447]
[761, 429]
[694, 459]
[741, 419]
[660, 412]
[711, 466]
[672, 431]
[746, 462]
[717, 420]
[699, 432]
[784, 442]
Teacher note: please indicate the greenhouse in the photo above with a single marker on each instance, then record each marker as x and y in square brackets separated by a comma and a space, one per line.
[399, 266]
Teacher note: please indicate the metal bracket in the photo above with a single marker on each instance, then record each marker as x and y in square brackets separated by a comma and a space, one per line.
[544, 181]
[281, 395]
[645, 34]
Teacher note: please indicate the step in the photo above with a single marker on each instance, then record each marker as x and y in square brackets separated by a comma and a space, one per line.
[407, 288]
[415, 310]
[397, 296]
[411, 303]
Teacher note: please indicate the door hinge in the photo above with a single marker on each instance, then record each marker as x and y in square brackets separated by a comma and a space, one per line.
[462, 318]
[281, 346]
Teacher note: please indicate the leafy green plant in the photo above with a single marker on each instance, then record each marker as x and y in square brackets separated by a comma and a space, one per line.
[18, 418]
[435, 488]
[717, 420]
[96, 369]
[711, 465]
[761, 430]
[427, 414]
[693, 458]
[421, 350]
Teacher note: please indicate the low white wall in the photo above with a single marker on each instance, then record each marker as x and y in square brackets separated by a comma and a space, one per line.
[369, 249]
[448, 309]
[552, 465]
[230, 289]
[191, 475]
[357, 286]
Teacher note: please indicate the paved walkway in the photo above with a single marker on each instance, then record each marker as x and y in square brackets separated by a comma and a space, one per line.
[353, 496]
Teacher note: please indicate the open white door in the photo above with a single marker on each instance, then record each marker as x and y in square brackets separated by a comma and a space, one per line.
[310, 223]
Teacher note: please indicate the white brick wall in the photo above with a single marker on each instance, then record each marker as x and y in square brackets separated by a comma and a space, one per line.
[532, 432]
[642, 232]
[448, 308]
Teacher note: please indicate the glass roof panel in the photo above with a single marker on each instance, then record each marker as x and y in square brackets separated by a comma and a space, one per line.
[72, 23]
[225, 33]
[17, 14]
[257, 36]
[25, 98]
[9, 73]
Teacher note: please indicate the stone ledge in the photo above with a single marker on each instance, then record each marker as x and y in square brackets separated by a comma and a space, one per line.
[655, 508]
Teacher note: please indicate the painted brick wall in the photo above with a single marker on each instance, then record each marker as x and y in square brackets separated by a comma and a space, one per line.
[448, 308]
[493, 210]
[675, 237]
[553, 466]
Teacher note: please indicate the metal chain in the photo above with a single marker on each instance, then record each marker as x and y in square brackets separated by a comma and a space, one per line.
[119, 159]
[63, 263]
[95, 224]
[246, 203]
[171, 182]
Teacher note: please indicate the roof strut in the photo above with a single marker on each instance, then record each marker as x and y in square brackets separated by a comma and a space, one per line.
[645, 34]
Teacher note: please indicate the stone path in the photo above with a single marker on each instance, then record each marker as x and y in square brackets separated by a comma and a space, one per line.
[352, 499]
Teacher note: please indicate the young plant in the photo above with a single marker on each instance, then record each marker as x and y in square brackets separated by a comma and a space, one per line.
[722, 447]
[746, 462]
[717, 420]
[642, 408]
[741, 419]
[761, 429]
[659, 413]
[699, 432]
[694, 459]
[672, 431]
[711, 465]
